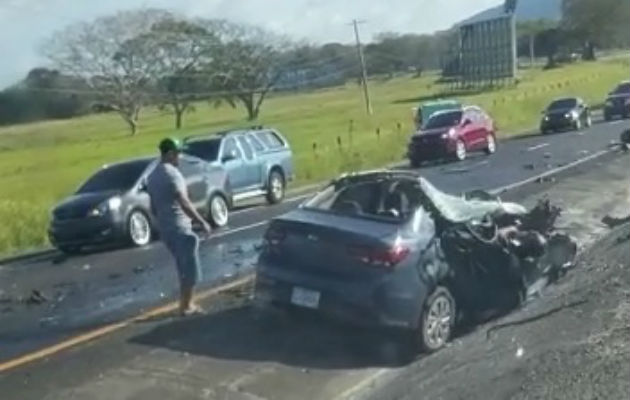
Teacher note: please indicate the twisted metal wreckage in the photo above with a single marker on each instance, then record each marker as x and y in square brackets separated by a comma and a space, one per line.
[495, 253]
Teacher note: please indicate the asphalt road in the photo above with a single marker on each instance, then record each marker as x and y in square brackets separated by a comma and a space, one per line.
[240, 352]
[86, 291]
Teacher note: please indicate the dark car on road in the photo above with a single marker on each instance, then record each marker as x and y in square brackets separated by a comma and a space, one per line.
[454, 134]
[618, 102]
[387, 249]
[258, 161]
[566, 113]
[112, 206]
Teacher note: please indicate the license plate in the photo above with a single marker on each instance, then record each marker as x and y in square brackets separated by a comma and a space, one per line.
[305, 297]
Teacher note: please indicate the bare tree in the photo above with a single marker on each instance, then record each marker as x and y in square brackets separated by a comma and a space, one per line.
[112, 55]
[182, 47]
[247, 65]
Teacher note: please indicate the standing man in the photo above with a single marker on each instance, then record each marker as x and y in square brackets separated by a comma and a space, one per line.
[174, 211]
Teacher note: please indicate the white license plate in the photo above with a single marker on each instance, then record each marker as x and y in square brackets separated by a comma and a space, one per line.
[305, 297]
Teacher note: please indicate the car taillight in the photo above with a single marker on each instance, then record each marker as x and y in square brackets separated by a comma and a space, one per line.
[275, 235]
[387, 258]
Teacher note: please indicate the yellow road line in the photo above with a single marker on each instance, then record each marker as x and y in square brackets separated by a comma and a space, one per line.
[102, 331]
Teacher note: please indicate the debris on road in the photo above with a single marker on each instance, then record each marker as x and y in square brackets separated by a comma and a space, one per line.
[529, 166]
[547, 155]
[546, 179]
[35, 298]
[87, 267]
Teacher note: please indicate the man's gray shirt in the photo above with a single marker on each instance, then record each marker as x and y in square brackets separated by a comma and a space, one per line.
[164, 185]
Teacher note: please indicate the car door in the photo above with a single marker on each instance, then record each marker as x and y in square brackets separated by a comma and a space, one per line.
[251, 163]
[193, 170]
[232, 161]
[468, 129]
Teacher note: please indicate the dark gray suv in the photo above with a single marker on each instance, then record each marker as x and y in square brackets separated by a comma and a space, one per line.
[113, 207]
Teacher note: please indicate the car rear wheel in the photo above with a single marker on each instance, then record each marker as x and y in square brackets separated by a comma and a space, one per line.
[460, 150]
[139, 230]
[276, 187]
[218, 213]
[491, 145]
[437, 320]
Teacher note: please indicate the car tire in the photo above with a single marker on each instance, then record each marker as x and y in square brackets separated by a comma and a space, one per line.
[589, 121]
[139, 229]
[437, 320]
[218, 211]
[460, 150]
[577, 125]
[491, 146]
[276, 186]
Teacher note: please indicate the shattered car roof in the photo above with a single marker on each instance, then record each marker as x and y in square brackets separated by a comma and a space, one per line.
[457, 209]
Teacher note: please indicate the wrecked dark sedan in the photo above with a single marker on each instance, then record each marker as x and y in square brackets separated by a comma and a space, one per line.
[387, 249]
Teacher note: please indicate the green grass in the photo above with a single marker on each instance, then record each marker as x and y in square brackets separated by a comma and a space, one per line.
[41, 163]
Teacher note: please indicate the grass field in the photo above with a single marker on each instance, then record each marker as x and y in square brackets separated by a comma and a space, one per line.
[41, 163]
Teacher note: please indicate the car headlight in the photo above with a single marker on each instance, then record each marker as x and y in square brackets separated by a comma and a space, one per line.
[111, 204]
[546, 118]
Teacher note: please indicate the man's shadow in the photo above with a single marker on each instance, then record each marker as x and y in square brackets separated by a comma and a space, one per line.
[290, 338]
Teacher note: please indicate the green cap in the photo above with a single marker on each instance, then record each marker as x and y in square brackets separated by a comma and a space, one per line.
[170, 144]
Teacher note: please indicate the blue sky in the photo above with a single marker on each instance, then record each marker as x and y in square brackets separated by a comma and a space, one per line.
[26, 23]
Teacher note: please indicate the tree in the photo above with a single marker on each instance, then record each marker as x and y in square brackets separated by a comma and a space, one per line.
[246, 65]
[112, 56]
[548, 42]
[182, 47]
[594, 22]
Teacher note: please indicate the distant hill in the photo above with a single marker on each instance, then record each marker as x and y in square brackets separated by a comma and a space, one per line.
[526, 10]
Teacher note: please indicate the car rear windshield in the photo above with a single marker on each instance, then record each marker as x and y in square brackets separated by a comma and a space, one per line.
[385, 200]
[624, 88]
[118, 177]
[563, 104]
[444, 120]
[205, 149]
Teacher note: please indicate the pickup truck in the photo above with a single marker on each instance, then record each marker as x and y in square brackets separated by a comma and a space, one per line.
[258, 161]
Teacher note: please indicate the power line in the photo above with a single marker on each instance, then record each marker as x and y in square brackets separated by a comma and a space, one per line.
[366, 91]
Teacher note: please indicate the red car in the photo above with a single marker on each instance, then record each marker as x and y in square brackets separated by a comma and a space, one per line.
[453, 134]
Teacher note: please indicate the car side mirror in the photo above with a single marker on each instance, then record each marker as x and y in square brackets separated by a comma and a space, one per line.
[467, 122]
[142, 187]
[231, 156]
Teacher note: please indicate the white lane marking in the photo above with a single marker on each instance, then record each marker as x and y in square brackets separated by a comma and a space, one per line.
[618, 122]
[289, 200]
[235, 230]
[548, 173]
[361, 386]
[538, 146]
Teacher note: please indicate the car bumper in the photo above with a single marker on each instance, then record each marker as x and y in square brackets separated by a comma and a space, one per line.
[435, 149]
[562, 123]
[85, 231]
[353, 303]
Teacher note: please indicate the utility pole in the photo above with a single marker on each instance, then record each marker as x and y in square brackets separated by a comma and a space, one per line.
[366, 92]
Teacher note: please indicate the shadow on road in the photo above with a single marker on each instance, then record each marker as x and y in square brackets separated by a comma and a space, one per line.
[253, 334]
